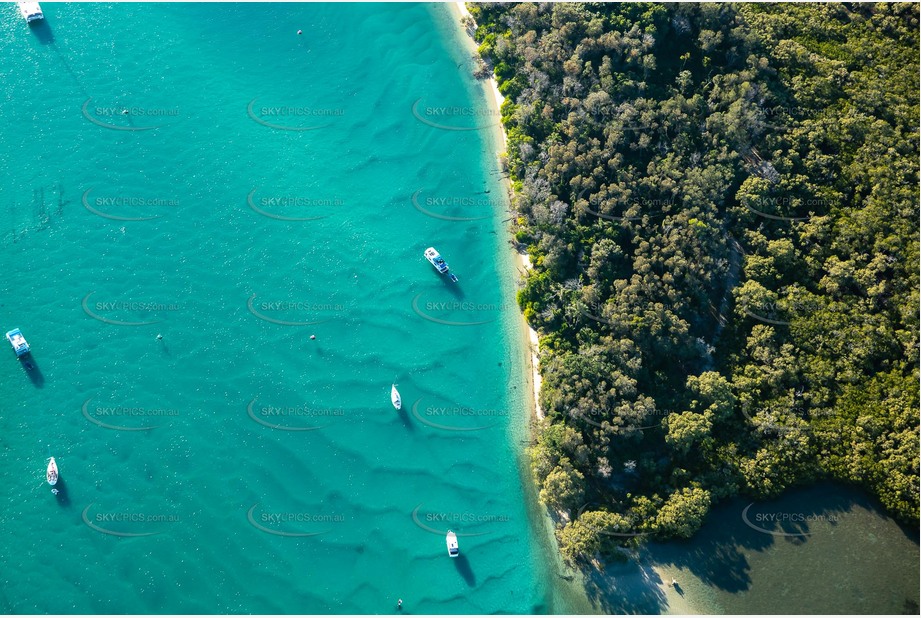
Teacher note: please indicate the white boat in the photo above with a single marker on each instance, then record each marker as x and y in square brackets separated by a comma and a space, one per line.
[451, 540]
[52, 473]
[30, 11]
[19, 343]
[395, 397]
[439, 263]
[436, 260]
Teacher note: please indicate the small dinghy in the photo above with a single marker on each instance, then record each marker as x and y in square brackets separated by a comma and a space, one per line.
[395, 397]
[52, 473]
[451, 540]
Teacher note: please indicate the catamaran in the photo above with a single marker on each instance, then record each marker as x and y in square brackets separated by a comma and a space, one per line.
[439, 263]
[395, 397]
[19, 343]
[52, 473]
[30, 11]
[451, 540]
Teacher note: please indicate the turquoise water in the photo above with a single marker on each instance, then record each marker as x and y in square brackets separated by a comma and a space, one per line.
[259, 190]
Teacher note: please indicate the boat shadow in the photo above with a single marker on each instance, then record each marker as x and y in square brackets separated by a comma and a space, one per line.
[455, 288]
[404, 417]
[463, 568]
[62, 495]
[31, 368]
[42, 31]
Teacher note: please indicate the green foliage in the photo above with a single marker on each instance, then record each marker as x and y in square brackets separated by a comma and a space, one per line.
[683, 513]
[563, 489]
[595, 533]
[720, 202]
[687, 430]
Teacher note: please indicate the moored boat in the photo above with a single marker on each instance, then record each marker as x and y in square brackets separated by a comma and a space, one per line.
[451, 540]
[436, 260]
[19, 343]
[51, 474]
[395, 397]
[30, 11]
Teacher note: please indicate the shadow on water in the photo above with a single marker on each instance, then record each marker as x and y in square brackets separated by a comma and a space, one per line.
[716, 554]
[42, 32]
[31, 368]
[463, 567]
[455, 288]
[62, 496]
[406, 420]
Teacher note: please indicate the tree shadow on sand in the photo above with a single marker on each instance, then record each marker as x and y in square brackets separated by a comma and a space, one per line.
[626, 588]
[717, 553]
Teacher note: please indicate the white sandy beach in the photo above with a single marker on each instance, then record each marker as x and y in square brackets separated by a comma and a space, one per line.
[491, 87]
[633, 581]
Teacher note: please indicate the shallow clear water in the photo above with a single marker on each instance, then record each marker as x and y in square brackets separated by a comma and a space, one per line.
[236, 465]
[264, 187]
[827, 549]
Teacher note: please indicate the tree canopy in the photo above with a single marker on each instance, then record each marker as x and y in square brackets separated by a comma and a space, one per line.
[721, 205]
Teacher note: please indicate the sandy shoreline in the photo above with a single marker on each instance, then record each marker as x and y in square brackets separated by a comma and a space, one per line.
[636, 580]
[491, 89]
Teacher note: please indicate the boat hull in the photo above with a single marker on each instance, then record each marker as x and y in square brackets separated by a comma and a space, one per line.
[20, 345]
[51, 474]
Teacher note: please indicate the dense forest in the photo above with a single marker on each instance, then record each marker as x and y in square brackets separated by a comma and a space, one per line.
[721, 205]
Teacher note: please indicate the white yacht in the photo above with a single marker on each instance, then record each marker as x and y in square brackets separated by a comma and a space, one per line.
[30, 11]
[451, 540]
[395, 397]
[51, 474]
